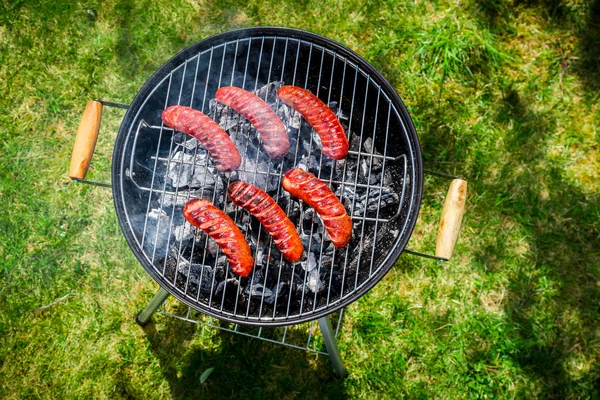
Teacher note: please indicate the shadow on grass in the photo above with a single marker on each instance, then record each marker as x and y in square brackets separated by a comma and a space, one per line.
[554, 302]
[588, 66]
[553, 305]
[243, 367]
[582, 19]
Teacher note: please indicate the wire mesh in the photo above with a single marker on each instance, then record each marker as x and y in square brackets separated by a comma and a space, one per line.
[304, 336]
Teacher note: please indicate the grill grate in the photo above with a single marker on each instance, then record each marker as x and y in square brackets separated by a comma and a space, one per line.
[191, 269]
[300, 336]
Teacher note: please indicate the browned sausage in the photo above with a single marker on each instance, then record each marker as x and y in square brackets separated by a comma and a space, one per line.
[204, 215]
[212, 136]
[320, 117]
[319, 196]
[272, 131]
[273, 218]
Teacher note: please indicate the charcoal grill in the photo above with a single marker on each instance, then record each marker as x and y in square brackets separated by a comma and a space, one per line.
[156, 170]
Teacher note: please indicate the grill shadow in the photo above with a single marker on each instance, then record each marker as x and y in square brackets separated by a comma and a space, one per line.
[243, 367]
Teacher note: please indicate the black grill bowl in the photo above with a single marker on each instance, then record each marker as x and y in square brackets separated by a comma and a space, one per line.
[385, 158]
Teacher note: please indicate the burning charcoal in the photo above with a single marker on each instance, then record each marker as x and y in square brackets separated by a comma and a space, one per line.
[260, 257]
[335, 108]
[310, 263]
[316, 141]
[181, 197]
[183, 232]
[229, 119]
[298, 281]
[182, 171]
[311, 243]
[198, 274]
[347, 169]
[181, 139]
[289, 205]
[311, 223]
[387, 198]
[221, 285]
[374, 179]
[191, 144]
[258, 289]
[313, 281]
[245, 220]
[290, 117]
[257, 174]
[202, 240]
[308, 146]
[326, 262]
[339, 168]
[157, 232]
[279, 290]
[364, 168]
[377, 162]
[221, 267]
[269, 91]
[354, 142]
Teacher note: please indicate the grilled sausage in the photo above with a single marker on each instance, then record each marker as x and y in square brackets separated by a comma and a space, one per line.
[273, 218]
[272, 131]
[212, 136]
[204, 215]
[319, 196]
[320, 117]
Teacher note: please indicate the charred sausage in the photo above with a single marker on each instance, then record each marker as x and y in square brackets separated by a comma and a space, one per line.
[273, 218]
[219, 226]
[319, 196]
[270, 128]
[212, 136]
[320, 117]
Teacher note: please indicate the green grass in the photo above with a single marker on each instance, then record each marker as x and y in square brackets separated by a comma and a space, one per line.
[505, 93]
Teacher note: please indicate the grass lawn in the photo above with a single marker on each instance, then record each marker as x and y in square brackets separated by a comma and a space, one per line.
[503, 92]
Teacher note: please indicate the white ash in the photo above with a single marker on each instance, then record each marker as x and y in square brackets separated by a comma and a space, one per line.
[157, 232]
[158, 213]
[181, 197]
[310, 263]
[293, 117]
[187, 142]
[190, 170]
[313, 281]
[183, 232]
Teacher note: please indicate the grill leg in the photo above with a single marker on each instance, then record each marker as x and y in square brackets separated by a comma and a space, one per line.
[159, 298]
[332, 347]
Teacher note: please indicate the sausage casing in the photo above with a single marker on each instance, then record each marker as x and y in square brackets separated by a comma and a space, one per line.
[270, 215]
[270, 128]
[319, 196]
[320, 117]
[219, 226]
[208, 132]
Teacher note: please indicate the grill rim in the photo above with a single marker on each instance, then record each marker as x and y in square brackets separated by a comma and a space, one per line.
[147, 89]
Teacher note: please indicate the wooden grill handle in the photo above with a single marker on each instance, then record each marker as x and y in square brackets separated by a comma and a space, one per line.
[85, 141]
[452, 213]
